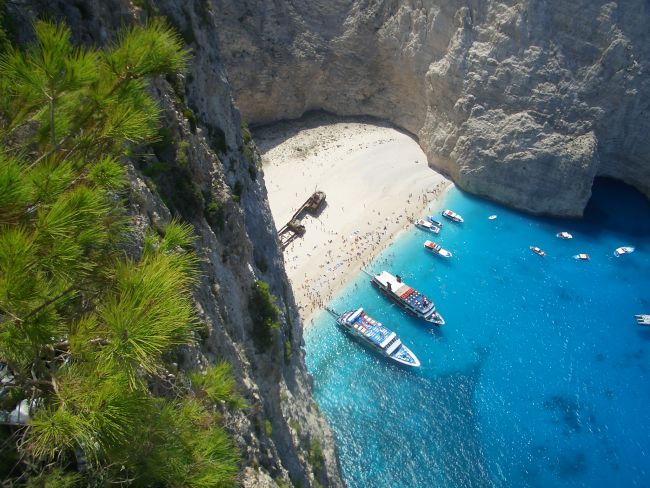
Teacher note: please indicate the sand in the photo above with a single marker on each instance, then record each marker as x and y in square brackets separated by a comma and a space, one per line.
[377, 182]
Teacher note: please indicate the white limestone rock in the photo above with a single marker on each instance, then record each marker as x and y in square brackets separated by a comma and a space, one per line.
[523, 101]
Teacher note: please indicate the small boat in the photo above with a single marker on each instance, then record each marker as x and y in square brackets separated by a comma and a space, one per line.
[376, 337]
[428, 226]
[453, 216]
[563, 235]
[581, 257]
[623, 250]
[492, 217]
[433, 247]
[406, 297]
[642, 319]
[434, 221]
[537, 251]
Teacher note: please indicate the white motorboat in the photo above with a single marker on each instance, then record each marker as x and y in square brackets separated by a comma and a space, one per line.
[428, 226]
[623, 250]
[453, 216]
[435, 248]
[537, 251]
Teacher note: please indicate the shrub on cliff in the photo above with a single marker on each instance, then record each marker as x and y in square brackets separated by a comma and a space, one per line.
[84, 328]
[264, 313]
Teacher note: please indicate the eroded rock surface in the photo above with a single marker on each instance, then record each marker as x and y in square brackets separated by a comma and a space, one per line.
[523, 101]
[218, 188]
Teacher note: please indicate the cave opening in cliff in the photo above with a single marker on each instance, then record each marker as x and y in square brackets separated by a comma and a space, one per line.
[619, 206]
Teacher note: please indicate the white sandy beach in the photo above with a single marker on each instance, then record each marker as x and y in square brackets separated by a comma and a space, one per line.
[376, 180]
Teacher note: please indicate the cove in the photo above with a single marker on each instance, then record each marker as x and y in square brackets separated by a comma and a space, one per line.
[539, 378]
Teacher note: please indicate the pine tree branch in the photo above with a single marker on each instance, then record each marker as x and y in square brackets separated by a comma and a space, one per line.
[52, 131]
[48, 303]
[56, 147]
[7, 312]
[12, 128]
[65, 345]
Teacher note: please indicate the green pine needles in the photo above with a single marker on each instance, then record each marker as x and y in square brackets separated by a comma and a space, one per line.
[84, 328]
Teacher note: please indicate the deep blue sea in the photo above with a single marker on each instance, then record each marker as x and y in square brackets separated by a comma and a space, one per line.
[540, 378]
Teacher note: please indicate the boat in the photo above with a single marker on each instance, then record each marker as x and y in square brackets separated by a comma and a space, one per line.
[435, 222]
[453, 216]
[563, 235]
[428, 226]
[642, 319]
[406, 297]
[623, 250]
[581, 257]
[433, 247]
[537, 251]
[492, 217]
[376, 337]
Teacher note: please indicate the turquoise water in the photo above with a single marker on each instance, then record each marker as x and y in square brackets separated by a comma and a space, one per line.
[541, 377]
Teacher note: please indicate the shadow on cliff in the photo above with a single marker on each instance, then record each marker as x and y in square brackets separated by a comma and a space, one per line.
[278, 132]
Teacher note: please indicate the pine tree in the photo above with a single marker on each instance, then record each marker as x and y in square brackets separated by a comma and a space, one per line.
[84, 328]
[4, 40]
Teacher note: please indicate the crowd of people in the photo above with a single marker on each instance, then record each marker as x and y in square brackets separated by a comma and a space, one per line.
[317, 270]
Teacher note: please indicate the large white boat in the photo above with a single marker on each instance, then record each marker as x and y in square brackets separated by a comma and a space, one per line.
[435, 248]
[623, 250]
[406, 297]
[377, 337]
[428, 226]
[452, 216]
[563, 235]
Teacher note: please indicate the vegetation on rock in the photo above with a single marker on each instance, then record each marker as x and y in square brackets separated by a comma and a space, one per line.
[85, 328]
[265, 314]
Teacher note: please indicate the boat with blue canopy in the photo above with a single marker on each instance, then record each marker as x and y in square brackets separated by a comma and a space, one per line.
[407, 297]
[376, 337]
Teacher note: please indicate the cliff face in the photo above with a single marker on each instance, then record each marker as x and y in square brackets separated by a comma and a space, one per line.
[211, 178]
[523, 101]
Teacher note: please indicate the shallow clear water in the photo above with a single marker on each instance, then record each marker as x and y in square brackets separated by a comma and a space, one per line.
[541, 376]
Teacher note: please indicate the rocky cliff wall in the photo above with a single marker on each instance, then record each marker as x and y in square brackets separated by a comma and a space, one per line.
[206, 170]
[523, 101]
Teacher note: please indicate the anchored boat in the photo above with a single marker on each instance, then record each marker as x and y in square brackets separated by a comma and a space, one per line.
[581, 257]
[453, 216]
[537, 251]
[428, 226]
[435, 248]
[376, 337]
[406, 297]
[623, 250]
[643, 319]
[434, 221]
[563, 235]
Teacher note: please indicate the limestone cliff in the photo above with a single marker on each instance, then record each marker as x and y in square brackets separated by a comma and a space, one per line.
[523, 101]
[206, 169]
